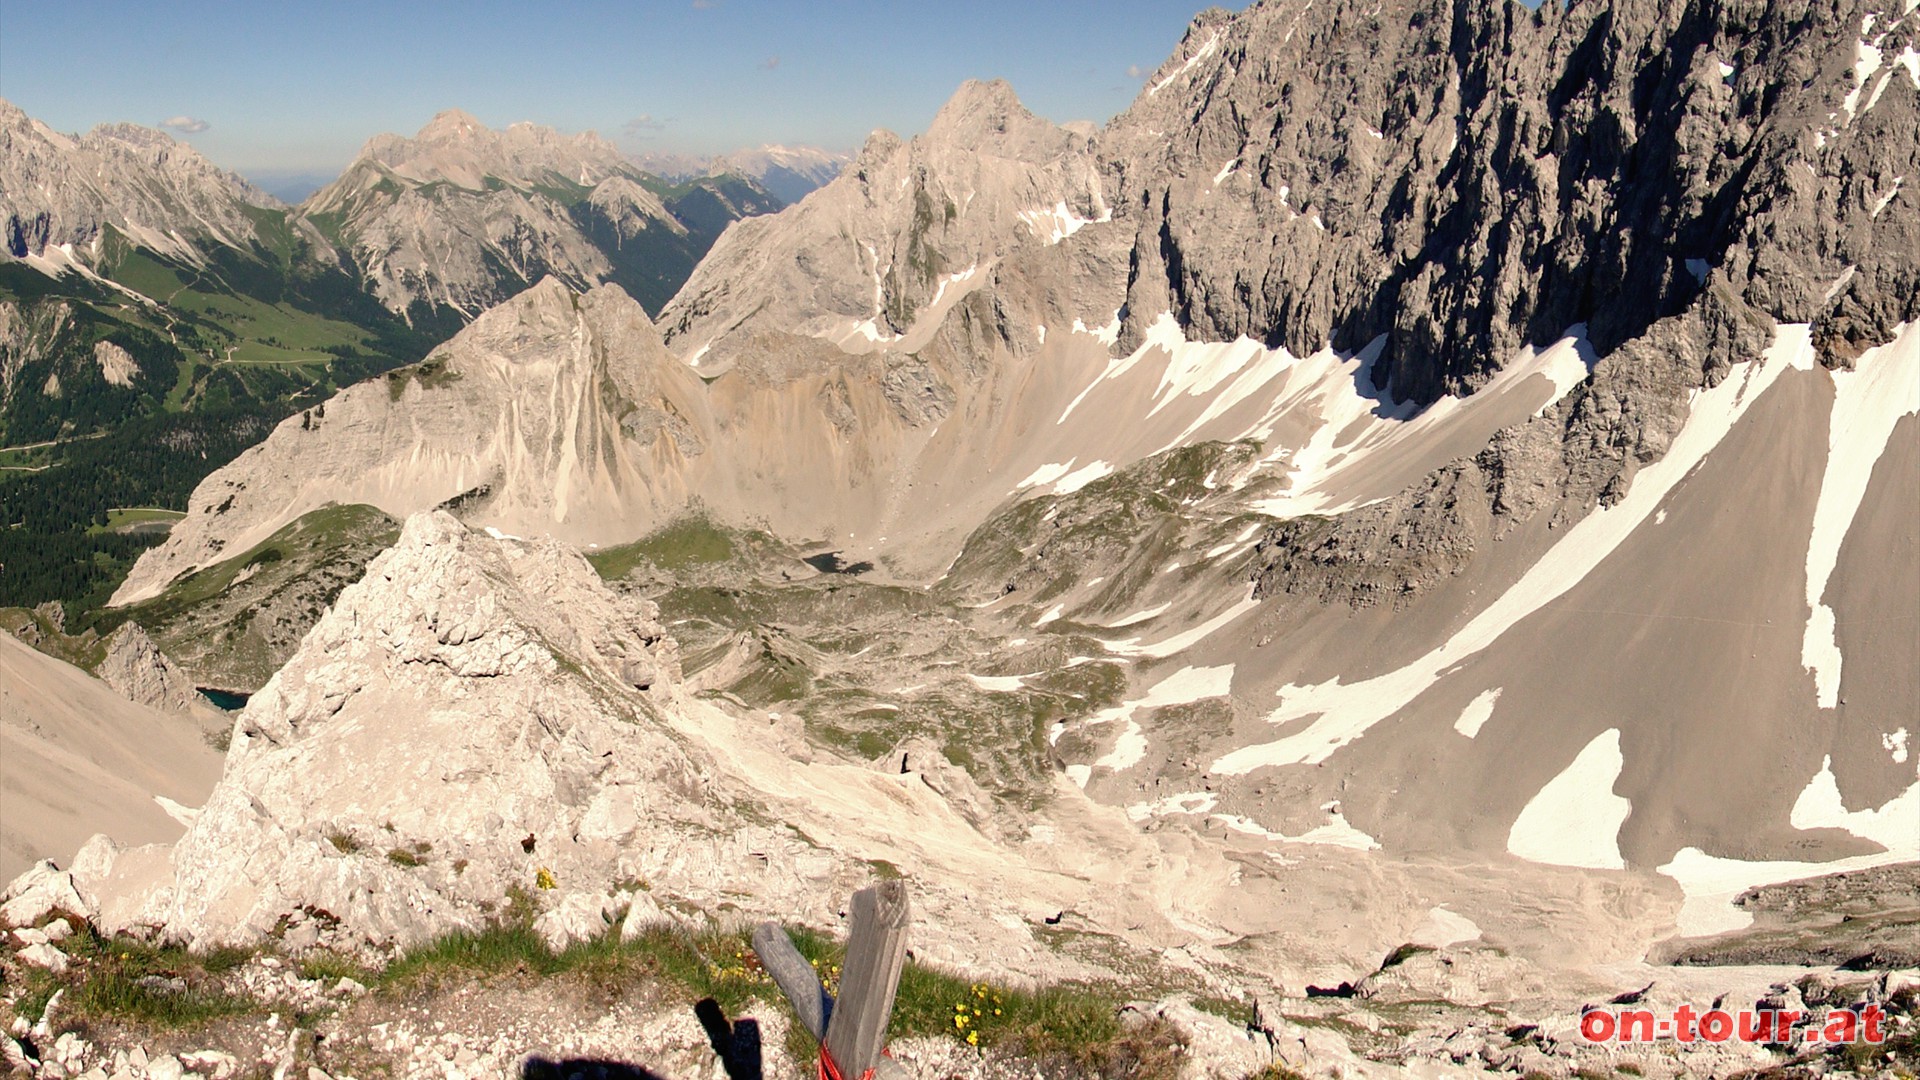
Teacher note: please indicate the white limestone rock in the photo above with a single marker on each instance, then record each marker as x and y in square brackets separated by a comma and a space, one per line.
[136, 668]
[456, 731]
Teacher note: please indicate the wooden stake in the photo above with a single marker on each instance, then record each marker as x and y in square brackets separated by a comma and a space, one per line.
[876, 951]
[795, 978]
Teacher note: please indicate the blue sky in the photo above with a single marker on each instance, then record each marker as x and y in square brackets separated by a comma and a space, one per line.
[299, 86]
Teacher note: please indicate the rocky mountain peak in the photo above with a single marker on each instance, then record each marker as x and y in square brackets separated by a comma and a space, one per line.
[461, 216]
[881, 145]
[549, 318]
[987, 117]
[453, 125]
[60, 191]
[455, 147]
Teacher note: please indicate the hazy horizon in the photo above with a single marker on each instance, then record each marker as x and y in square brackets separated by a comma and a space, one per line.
[285, 94]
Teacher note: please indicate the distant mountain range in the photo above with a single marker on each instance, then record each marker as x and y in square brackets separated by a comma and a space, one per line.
[789, 172]
[147, 294]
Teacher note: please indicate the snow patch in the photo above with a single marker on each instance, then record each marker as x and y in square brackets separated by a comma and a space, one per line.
[1894, 826]
[1868, 401]
[1477, 713]
[1191, 802]
[1140, 616]
[1057, 222]
[1881, 203]
[999, 684]
[1866, 61]
[1181, 642]
[1081, 477]
[1443, 928]
[1198, 55]
[952, 279]
[1183, 687]
[1575, 820]
[1343, 712]
[1895, 744]
[1045, 474]
[1839, 283]
[1335, 833]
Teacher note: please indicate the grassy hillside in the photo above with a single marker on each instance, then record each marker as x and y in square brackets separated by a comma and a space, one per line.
[219, 354]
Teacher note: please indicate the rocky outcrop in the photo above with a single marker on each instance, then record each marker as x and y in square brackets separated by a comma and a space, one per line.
[29, 332]
[493, 674]
[136, 668]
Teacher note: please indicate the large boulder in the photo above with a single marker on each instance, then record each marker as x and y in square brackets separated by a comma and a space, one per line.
[457, 739]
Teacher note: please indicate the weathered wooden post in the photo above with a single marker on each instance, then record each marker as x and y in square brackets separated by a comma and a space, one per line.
[852, 1031]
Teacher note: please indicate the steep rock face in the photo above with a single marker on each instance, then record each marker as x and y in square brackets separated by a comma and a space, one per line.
[59, 191]
[1466, 177]
[462, 216]
[28, 333]
[579, 404]
[136, 668]
[907, 224]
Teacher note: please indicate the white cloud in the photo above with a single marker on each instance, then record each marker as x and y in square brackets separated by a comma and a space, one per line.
[643, 126]
[1135, 71]
[186, 125]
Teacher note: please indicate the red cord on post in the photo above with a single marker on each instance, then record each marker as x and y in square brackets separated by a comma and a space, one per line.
[830, 1070]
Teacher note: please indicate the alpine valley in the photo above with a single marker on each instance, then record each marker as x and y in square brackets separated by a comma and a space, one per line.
[1404, 533]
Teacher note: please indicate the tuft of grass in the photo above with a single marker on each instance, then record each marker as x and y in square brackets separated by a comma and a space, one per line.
[403, 857]
[328, 966]
[343, 842]
[1061, 1019]
[164, 986]
[718, 965]
[37, 989]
